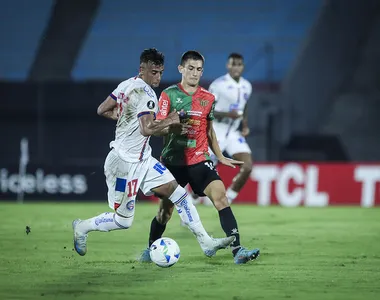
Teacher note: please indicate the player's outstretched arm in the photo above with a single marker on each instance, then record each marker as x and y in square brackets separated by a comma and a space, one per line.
[108, 109]
[149, 126]
[213, 143]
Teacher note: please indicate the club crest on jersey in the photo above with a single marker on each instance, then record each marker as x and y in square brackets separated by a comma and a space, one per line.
[150, 104]
[203, 102]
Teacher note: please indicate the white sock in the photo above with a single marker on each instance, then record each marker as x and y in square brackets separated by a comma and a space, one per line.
[189, 215]
[231, 195]
[107, 221]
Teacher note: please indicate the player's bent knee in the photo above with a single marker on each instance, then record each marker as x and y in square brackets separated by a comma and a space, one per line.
[220, 201]
[166, 189]
[123, 222]
[246, 168]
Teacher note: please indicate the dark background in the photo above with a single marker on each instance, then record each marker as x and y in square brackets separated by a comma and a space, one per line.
[314, 66]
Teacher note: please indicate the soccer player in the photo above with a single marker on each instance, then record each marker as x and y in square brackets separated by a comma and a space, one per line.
[130, 166]
[187, 157]
[231, 93]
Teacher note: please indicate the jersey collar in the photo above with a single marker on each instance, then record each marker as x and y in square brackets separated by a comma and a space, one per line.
[229, 78]
[183, 90]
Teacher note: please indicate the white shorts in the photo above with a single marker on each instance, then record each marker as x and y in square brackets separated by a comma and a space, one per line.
[124, 179]
[233, 143]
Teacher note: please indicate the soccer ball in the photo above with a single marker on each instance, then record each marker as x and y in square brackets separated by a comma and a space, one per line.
[164, 252]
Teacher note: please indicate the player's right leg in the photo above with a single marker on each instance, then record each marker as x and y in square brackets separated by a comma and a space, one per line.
[239, 149]
[115, 171]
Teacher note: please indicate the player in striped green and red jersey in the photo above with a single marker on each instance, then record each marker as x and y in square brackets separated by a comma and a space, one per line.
[187, 157]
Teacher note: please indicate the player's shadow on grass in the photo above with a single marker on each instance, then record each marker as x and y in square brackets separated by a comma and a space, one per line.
[92, 278]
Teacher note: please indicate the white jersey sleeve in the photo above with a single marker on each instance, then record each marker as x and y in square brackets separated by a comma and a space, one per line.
[115, 94]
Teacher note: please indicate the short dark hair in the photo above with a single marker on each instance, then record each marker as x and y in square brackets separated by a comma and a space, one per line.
[152, 55]
[192, 54]
[235, 55]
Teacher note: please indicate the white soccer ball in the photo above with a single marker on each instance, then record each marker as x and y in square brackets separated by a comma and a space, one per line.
[164, 252]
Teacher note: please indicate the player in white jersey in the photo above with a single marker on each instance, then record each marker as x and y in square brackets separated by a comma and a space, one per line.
[231, 93]
[129, 165]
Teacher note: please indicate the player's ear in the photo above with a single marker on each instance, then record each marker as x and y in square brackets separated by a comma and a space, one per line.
[180, 69]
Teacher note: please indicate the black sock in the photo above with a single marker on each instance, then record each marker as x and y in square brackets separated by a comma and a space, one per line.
[156, 231]
[229, 225]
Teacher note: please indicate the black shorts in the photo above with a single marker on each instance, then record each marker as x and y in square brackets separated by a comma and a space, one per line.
[199, 175]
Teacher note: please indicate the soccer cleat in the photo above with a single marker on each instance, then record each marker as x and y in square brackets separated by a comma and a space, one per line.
[80, 239]
[217, 244]
[145, 256]
[244, 255]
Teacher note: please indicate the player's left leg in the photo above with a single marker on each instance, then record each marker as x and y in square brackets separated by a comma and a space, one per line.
[119, 199]
[216, 191]
[239, 150]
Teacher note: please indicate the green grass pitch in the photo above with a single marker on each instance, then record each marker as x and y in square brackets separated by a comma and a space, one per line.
[306, 253]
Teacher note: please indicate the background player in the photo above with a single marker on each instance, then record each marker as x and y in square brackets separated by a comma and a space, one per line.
[231, 93]
[130, 166]
[187, 157]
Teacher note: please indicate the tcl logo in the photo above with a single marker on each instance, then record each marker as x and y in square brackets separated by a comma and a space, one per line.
[39, 182]
[304, 185]
[316, 185]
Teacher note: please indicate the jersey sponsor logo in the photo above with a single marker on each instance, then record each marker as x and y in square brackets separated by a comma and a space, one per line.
[164, 107]
[150, 104]
[149, 91]
[194, 113]
[194, 122]
[199, 153]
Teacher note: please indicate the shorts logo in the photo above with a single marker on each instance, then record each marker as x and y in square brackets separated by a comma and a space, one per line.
[150, 104]
[210, 165]
[131, 205]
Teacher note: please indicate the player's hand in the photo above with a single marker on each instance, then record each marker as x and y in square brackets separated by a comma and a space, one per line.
[179, 128]
[174, 117]
[234, 114]
[245, 131]
[230, 162]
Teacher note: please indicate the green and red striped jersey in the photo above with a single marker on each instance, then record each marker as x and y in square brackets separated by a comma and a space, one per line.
[199, 108]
